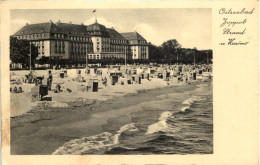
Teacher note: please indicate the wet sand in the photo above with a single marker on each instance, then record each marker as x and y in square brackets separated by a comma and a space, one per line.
[44, 129]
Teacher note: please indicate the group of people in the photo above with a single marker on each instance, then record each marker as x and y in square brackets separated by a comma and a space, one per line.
[16, 90]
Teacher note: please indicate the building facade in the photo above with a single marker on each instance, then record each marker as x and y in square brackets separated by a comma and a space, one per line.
[75, 42]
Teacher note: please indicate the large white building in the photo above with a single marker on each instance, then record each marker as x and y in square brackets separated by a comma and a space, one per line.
[73, 42]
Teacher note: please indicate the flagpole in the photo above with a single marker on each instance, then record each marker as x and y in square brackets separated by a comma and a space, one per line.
[94, 11]
[96, 15]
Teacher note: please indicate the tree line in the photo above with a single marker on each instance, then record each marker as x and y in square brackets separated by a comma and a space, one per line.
[173, 52]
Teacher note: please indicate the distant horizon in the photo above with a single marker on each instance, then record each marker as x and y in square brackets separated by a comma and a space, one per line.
[147, 22]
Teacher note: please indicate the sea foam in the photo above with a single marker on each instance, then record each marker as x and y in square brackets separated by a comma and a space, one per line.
[189, 101]
[161, 125]
[93, 144]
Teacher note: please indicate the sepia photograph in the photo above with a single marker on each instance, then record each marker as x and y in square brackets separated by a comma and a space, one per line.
[133, 81]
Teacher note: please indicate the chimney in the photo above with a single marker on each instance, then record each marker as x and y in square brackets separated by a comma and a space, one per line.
[70, 22]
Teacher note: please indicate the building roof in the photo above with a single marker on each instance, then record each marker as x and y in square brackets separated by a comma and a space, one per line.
[47, 27]
[72, 29]
[50, 27]
[113, 34]
[132, 36]
[96, 27]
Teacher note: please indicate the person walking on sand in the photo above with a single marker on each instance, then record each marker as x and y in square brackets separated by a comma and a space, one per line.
[171, 73]
[209, 77]
[104, 81]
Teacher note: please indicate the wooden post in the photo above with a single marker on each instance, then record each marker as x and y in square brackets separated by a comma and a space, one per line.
[207, 57]
[125, 59]
[30, 57]
[194, 57]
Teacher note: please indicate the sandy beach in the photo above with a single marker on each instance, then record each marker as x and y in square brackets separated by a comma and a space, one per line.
[102, 118]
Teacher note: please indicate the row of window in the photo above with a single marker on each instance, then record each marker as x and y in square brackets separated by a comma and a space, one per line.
[106, 40]
[78, 56]
[141, 42]
[32, 36]
[80, 48]
[73, 38]
[94, 56]
[97, 56]
[95, 33]
[112, 48]
[119, 41]
[80, 39]
[143, 56]
[39, 45]
[135, 48]
[59, 47]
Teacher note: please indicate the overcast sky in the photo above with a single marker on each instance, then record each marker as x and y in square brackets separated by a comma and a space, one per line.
[190, 27]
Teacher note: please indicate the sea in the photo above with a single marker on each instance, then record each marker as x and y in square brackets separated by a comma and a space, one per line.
[173, 123]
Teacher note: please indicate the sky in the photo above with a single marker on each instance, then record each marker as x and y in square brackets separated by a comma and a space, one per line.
[191, 27]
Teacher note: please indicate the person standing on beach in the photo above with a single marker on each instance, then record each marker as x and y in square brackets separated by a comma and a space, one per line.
[171, 73]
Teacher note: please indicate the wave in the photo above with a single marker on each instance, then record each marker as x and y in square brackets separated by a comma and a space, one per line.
[130, 127]
[94, 144]
[161, 125]
[183, 109]
[192, 99]
[87, 145]
[189, 101]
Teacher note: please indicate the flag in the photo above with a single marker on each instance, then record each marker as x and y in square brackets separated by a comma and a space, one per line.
[94, 11]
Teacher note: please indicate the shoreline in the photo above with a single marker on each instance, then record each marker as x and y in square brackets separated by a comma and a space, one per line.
[40, 107]
[21, 102]
[31, 124]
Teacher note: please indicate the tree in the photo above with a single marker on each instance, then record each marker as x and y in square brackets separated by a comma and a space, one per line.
[155, 52]
[20, 51]
[43, 60]
[170, 48]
